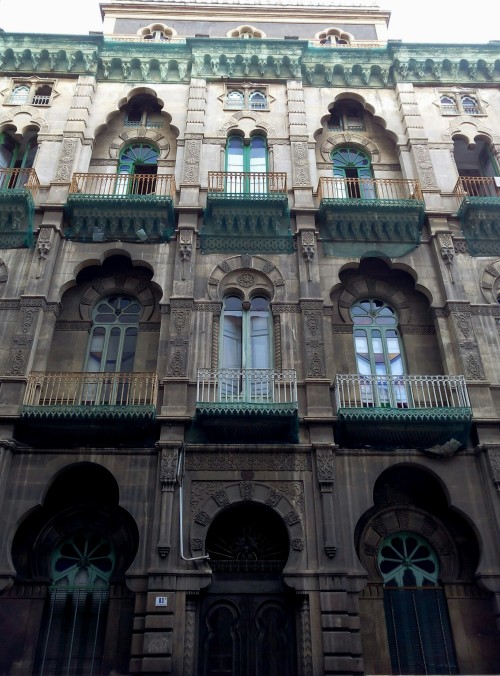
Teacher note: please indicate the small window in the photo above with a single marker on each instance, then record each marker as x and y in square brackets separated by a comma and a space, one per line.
[235, 100]
[245, 32]
[246, 97]
[470, 106]
[333, 37]
[346, 116]
[460, 103]
[258, 101]
[42, 95]
[448, 106]
[20, 95]
[157, 33]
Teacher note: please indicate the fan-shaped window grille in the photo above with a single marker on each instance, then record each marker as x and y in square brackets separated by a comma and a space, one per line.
[352, 167]
[416, 613]
[72, 637]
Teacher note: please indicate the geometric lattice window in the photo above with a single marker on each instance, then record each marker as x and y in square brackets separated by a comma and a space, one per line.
[73, 628]
[418, 625]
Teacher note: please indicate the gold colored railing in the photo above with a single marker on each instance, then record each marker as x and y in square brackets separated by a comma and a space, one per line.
[117, 185]
[476, 186]
[17, 179]
[369, 188]
[91, 389]
[246, 182]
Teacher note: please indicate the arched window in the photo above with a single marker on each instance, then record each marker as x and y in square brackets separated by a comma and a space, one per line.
[20, 95]
[470, 105]
[416, 613]
[246, 157]
[246, 345]
[113, 337]
[42, 95]
[72, 639]
[258, 101]
[352, 169]
[448, 105]
[139, 165]
[378, 354]
[346, 115]
[235, 100]
[18, 157]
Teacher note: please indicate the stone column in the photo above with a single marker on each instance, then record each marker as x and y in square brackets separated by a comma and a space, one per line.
[317, 384]
[168, 472]
[326, 479]
[193, 138]
[418, 145]
[176, 381]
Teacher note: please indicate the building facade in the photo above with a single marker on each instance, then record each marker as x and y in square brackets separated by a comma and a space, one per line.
[250, 321]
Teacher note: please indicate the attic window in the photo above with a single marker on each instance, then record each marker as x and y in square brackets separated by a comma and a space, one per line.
[245, 32]
[157, 33]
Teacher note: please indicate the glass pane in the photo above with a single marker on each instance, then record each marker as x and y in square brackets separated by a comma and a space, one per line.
[112, 351]
[128, 350]
[234, 154]
[259, 332]
[96, 350]
[258, 154]
[231, 347]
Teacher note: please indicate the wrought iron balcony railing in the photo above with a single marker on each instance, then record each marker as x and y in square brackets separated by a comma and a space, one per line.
[249, 386]
[19, 179]
[369, 189]
[122, 185]
[476, 186]
[91, 389]
[359, 44]
[249, 184]
[358, 391]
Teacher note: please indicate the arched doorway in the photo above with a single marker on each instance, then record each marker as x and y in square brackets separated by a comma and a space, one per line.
[247, 617]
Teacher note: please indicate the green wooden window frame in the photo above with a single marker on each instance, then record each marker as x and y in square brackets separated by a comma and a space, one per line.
[379, 353]
[418, 625]
[354, 166]
[246, 334]
[113, 338]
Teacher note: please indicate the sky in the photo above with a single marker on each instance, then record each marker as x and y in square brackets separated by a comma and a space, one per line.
[418, 21]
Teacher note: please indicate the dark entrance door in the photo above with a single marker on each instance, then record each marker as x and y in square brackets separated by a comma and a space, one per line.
[247, 617]
[247, 634]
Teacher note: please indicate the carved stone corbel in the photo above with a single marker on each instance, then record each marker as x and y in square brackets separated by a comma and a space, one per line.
[168, 477]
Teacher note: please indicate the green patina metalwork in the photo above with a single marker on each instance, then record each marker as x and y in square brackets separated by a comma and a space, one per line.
[213, 58]
[355, 227]
[82, 413]
[480, 219]
[17, 210]
[246, 223]
[403, 427]
[111, 218]
[246, 421]
[246, 409]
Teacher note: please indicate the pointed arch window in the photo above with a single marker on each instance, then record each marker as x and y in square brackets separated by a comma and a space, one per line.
[247, 160]
[352, 169]
[258, 101]
[246, 348]
[235, 100]
[137, 169]
[378, 354]
[416, 613]
[72, 637]
[17, 156]
[20, 95]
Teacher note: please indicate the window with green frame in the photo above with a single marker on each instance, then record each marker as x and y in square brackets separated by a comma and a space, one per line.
[137, 169]
[246, 344]
[416, 612]
[73, 627]
[113, 336]
[16, 155]
[352, 169]
[378, 354]
[247, 161]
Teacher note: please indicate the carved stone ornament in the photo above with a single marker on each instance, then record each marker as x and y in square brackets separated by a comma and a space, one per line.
[447, 251]
[494, 458]
[490, 282]
[192, 155]
[168, 466]
[324, 460]
[424, 164]
[247, 490]
[300, 165]
[66, 159]
[43, 245]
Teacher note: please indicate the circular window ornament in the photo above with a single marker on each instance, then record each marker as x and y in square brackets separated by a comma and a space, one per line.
[83, 560]
[407, 560]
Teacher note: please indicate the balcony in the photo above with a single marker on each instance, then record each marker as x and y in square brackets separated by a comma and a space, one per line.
[247, 212]
[18, 191]
[107, 404]
[478, 204]
[120, 207]
[401, 411]
[252, 404]
[359, 216]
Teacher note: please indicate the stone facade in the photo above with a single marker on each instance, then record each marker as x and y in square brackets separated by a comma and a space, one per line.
[199, 489]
